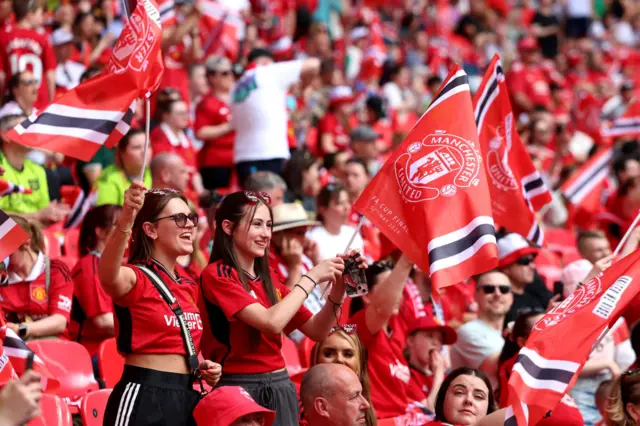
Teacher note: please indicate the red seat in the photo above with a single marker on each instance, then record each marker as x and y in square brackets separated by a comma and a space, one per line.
[93, 407]
[54, 412]
[110, 362]
[52, 242]
[70, 363]
[71, 240]
[386, 422]
[290, 355]
[304, 351]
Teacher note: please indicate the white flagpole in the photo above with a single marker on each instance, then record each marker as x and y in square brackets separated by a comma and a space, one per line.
[146, 138]
[627, 234]
[353, 237]
[125, 5]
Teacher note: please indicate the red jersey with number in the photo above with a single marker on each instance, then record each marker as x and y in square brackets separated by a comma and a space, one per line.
[391, 391]
[89, 301]
[163, 139]
[29, 300]
[24, 49]
[248, 351]
[144, 322]
[217, 152]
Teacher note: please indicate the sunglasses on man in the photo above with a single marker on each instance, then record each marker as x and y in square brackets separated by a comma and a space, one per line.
[525, 261]
[491, 288]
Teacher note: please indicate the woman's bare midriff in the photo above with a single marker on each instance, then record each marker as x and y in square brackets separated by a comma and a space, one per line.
[170, 363]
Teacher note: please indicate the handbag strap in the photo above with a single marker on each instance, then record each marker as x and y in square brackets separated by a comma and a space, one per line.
[169, 298]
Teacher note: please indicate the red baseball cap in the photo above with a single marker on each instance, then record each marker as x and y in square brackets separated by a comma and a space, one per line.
[527, 43]
[225, 405]
[428, 322]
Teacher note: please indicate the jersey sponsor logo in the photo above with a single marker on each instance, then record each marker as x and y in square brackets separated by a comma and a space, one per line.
[39, 294]
[498, 158]
[24, 43]
[400, 371]
[64, 303]
[193, 321]
[439, 165]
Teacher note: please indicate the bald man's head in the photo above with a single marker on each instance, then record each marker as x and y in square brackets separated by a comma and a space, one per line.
[169, 171]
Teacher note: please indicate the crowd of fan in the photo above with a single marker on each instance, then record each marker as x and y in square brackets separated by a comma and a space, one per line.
[305, 106]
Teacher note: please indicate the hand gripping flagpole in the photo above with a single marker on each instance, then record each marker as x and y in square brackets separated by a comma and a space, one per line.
[627, 234]
[146, 138]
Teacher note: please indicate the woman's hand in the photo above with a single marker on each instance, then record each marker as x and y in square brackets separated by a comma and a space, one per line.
[211, 372]
[437, 363]
[312, 250]
[362, 261]
[327, 270]
[133, 201]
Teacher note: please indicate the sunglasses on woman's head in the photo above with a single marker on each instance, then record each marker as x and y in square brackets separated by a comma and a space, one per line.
[350, 329]
[491, 288]
[181, 219]
[161, 191]
[255, 197]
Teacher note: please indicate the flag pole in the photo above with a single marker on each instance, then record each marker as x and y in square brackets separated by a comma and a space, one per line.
[627, 234]
[125, 5]
[146, 138]
[353, 237]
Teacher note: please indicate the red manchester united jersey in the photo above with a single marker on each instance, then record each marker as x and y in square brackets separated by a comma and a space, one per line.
[24, 49]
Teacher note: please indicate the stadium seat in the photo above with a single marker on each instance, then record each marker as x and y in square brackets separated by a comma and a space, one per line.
[290, 355]
[53, 245]
[93, 407]
[386, 422]
[110, 362]
[71, 240]
[54, 412]
[304, 351]
[70, 363]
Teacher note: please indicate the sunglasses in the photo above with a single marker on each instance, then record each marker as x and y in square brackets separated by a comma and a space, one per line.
[226, 73]
[491, 288]
[255, 197]
[28, 82]
[525, 261]
[181, 219]
[350, 329]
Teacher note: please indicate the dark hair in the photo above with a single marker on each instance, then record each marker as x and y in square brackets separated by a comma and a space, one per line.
[90, 72]
[301, 161]
[356, 160]
[12, 84]
[101, 217]
[258, 53]
[434, 79]
[154, 202]
[442, 393]
[329, 193]
[21, 8]
[124, 142]
[376, 104]
[372, 272]
[233, 208]
[522, 327]
[635, 339]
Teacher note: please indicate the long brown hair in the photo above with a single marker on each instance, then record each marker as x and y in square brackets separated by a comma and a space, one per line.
[233, 208]
[33, 231]
[154, 202]
[624, 390]
[363, 374]
[102, 217]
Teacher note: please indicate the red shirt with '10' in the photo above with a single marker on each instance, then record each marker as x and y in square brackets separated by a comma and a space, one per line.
[223, 297]
[28, 50]
[144, 322]
[29, 300]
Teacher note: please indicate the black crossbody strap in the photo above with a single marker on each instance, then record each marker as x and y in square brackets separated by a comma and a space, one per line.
[192, 355]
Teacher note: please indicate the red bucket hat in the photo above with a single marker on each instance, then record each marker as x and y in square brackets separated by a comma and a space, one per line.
[428, 322]
[225, 405]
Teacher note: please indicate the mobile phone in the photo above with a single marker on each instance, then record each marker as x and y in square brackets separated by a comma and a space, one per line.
[29, 365]
[558, 288]
[355, 278]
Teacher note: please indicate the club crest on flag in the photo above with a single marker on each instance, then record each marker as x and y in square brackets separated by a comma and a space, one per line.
[497, 161]
[135, 44]
[583, 295]
[439, 165]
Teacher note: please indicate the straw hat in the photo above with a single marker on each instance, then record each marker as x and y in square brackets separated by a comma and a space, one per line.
[289, 216]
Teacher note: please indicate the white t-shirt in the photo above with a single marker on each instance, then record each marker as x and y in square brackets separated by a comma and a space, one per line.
[331, 245]
[579, 9]
[259, 112]
[477, 340]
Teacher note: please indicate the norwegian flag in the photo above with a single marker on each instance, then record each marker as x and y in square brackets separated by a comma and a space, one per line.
[225, 28]
[12, 235]
[8, 188]
[18, 352]
[7, 372]
[438, 168]
[79, 202]
[544, 370]
[584, 189]
[514, 183]
[99, 111]
[628, 125]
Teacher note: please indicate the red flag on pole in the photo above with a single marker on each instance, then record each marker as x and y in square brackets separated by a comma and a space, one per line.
[545, 370]
[7, 372]
[514, 183]
[7, 188]
[431, 198]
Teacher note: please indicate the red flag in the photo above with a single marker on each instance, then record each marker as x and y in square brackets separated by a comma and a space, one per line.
[224, 30]
[12, 235]
[7, 373]
[7, 188]
[514, 183]
[431, 197]
[628, 125]
[545, 370]
[18, 353]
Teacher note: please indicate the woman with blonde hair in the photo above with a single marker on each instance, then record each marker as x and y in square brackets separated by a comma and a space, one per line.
[343, 346]
[623, 407]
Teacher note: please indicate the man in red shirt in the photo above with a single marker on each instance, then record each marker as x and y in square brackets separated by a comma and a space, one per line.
[23, 47]
[527, 80]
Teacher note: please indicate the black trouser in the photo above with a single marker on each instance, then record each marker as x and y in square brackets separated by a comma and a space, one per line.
[149, 397]
[274, 391]
[215, 177]
[247, 168]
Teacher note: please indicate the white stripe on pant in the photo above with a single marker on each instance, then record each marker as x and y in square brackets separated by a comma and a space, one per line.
[126, 404]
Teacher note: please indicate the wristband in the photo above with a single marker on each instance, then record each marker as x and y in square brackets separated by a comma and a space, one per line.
[311, 279]
[337, 304]
[302, 288]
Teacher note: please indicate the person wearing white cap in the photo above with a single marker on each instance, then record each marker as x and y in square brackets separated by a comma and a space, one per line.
[68, 73]
[515, 259]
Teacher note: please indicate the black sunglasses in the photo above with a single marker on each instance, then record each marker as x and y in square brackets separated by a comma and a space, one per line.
[181, 219]
[491, 288]
[525, 261]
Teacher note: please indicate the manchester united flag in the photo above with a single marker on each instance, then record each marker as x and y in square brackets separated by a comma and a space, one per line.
[431, 197]
[545, 370]
[514, 183]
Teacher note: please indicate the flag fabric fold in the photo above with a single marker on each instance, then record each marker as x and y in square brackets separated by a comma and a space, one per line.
[545, 370]
[12, 235]
[515, 185]
[628, 125]
[18, 352]
[431, 199]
